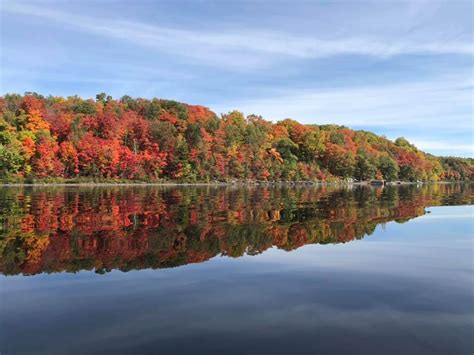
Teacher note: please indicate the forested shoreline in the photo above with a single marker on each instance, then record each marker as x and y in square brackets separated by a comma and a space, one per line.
[56, 139]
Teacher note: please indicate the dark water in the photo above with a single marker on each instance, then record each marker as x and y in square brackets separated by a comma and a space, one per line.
[237, 271]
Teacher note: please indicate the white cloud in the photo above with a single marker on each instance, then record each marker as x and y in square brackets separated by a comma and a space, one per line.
[418, 104]
[440, 145]
[244, 48]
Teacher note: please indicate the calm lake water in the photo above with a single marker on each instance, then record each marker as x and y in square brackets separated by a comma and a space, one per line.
[202, 270]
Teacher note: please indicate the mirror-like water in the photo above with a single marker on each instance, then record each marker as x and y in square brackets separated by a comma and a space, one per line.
[237, 270]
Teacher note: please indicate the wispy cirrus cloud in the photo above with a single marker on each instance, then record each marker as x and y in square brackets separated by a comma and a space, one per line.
[417, 103]
[240, 47]
[447, 148]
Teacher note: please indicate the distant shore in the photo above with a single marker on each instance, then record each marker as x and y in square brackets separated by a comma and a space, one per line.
[221, 184]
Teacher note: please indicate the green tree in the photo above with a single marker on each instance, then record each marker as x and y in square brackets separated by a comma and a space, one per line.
[11, 160]
[337, 138]
[287, 149]
[403, 143]
[364, 169]
[409, 173]
[388, 167]
[313, 146]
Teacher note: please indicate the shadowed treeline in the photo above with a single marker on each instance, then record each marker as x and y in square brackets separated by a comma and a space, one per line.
[104, 228]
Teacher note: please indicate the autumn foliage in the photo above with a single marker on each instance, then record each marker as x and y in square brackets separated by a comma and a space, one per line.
[156, 140]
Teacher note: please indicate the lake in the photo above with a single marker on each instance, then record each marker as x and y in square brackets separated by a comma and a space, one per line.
[223, 270]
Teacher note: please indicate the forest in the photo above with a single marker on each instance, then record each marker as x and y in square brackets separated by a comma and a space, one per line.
[73, 139]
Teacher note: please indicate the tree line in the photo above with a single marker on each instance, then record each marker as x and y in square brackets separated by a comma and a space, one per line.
[59, 138]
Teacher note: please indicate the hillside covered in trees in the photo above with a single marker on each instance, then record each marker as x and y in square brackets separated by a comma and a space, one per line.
[156, 140]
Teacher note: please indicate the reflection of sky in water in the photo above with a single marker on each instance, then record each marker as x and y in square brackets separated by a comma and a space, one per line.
[407, 289]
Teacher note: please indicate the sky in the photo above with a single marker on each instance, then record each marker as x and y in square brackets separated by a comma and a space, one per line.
[398, 68]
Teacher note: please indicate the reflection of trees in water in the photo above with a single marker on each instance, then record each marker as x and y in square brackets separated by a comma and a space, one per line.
[65, 229]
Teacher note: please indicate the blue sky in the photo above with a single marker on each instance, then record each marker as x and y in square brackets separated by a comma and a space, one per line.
[396, 68]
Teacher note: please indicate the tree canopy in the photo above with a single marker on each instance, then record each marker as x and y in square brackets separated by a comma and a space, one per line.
[139, 139]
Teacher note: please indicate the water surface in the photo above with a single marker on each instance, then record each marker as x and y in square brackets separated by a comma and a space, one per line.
[227, 270]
